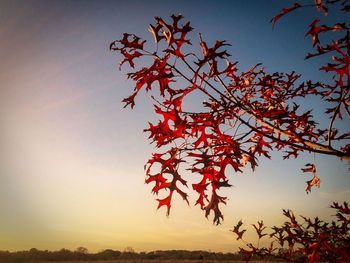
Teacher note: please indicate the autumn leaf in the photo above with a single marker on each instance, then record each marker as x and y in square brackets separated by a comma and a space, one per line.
[167, 202]
[314, 32]
[259, 229]
[129, 57]
[315, 181]
[237, 231]
[284, 12]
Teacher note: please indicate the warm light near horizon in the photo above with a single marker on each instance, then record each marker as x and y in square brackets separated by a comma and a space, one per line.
[71, 171]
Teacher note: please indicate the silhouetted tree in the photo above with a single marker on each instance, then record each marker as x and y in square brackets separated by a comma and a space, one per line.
[82, 250]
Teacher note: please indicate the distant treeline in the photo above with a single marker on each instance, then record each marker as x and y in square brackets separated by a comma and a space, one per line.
[35, 255]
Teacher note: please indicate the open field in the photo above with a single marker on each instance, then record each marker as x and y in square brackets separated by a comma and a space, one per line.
[156, 261]
[159, 261]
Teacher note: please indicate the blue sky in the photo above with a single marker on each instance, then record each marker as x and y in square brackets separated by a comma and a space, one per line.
[72, 158]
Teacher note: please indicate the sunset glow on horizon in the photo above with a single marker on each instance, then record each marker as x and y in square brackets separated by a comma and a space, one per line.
[72, 159]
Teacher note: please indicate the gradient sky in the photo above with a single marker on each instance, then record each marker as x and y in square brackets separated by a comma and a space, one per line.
[71, 158]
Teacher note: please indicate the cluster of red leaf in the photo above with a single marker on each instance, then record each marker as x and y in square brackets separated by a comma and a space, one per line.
[245, 114]
[310, 241]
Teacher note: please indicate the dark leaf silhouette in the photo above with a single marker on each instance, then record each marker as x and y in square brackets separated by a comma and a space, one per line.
[311, 241]
[236, 230]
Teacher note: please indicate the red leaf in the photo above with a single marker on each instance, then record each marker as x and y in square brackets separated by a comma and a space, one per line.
[130, 100]
[341, 71]
[236, 230]
[315, 181]
[259, 229]
[284, 11]
[134, 43]
[214, 205]
[167, 202]
[129, 57]
[314, 31]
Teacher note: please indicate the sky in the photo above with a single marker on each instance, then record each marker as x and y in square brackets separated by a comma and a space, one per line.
[71, 158]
